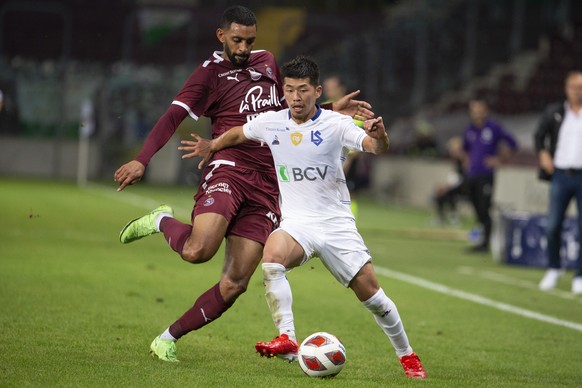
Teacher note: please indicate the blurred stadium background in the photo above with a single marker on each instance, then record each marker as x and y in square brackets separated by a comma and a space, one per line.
[104, 71]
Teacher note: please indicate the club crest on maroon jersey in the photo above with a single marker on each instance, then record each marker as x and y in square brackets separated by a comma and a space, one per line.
[255, 75]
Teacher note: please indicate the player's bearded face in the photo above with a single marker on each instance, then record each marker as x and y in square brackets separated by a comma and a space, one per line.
[236, 58]
[237, 42]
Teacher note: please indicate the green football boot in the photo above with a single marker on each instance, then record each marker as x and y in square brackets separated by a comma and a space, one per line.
[165, 350]
[143, 226]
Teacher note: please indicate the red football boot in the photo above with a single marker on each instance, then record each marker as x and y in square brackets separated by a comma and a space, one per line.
[282, 346]
[412, 366]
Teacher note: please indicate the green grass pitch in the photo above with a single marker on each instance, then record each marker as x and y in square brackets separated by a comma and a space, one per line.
[81, 309]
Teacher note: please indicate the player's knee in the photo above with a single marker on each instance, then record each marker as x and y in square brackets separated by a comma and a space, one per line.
[197, 253]
[269, 258]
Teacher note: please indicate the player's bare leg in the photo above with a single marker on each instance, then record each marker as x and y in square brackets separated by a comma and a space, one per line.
[196, 243]
[241, 260]
[366, 287]
[208, 230]
[281, 252]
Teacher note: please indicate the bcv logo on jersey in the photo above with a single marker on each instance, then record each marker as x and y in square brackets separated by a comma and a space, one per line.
[297, 174]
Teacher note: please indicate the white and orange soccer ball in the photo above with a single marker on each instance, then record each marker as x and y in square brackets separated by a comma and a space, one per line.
[322, 355]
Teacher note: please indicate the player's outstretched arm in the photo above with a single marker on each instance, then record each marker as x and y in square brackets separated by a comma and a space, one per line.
[205, 148]
[358, 109]
[377, 140]
[129, 174]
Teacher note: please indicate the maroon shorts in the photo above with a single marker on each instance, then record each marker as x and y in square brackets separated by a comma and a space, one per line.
[248, 199]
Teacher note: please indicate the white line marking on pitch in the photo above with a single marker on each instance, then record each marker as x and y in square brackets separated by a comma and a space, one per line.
[511, 281]
[132, 198]
[148, 203]
[476, 298]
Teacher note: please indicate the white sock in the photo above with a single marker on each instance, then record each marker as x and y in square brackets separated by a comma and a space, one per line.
[386, 315]
[279, 298]
[167, 336]
[159, 219]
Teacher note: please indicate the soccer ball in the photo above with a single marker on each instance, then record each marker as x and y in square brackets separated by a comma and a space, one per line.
[322, 355]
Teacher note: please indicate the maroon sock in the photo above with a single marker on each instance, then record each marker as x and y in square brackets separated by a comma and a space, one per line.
[208, 307]
[175, 232]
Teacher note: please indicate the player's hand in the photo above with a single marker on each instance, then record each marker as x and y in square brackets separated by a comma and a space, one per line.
[128, 174]
[200, 147]
[359, 110]
[375, 128]
[377, 140]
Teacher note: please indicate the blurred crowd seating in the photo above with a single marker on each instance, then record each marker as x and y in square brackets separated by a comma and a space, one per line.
[407, 57]
[529, 81]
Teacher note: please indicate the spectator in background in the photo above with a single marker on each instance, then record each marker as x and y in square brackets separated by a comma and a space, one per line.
[357, 164]
[333, 88]
[486, 145]
[447, 194]
[558, 143]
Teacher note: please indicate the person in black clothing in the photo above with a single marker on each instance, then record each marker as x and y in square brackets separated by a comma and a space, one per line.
[558, 143]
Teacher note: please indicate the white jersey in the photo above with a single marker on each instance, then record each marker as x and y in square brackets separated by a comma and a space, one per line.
[308, 159]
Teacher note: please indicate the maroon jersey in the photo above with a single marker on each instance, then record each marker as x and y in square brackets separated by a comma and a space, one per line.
[231, 96]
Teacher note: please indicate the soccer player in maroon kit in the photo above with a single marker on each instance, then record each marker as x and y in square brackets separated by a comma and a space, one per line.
[238, 196]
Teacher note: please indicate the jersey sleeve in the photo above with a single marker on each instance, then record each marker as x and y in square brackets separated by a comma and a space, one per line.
[352, 135]
[254, 129]
[194, 95]
[161, 133]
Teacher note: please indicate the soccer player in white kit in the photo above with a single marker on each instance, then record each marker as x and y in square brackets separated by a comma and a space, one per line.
[309, 146]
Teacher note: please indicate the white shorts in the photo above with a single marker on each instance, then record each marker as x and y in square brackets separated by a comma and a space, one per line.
[336, 242]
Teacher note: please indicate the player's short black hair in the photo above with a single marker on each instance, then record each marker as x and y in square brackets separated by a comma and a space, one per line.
[239, 15]
[301, 67]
